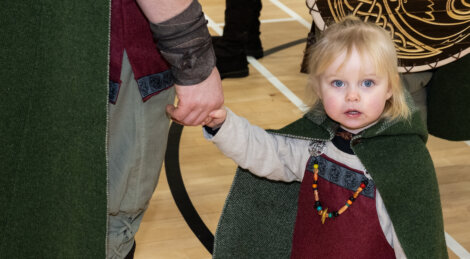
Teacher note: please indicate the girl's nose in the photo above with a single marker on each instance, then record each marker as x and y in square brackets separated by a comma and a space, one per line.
[352, 95]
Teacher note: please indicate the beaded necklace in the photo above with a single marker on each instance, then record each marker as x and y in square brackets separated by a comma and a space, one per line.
[324, 212]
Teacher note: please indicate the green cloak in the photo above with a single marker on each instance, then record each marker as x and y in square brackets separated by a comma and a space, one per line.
[259, 215]
[448, 101]
[53, 102]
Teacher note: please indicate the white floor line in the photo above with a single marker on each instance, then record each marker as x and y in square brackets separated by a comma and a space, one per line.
[267, 21]
[450, 241]
[211, 24]
[467, 142]
[268, 75]
[278, 84]
[292, 13]
[278, 20]
[456, 247]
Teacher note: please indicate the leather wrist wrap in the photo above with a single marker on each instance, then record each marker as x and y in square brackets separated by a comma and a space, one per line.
[186, 44]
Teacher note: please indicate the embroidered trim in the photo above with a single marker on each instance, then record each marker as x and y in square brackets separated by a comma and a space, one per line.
[153, 84]
[113, 91]
[341, 176]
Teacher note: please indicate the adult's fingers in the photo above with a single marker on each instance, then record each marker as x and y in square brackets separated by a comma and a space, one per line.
[187, 116]
[195, 102]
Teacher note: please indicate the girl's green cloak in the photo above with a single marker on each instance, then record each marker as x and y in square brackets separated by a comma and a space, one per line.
[259, 215]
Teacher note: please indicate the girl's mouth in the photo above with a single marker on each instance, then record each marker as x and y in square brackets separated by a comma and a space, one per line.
[352, 113]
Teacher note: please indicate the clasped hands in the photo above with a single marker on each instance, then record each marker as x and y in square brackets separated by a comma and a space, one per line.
[199, 104]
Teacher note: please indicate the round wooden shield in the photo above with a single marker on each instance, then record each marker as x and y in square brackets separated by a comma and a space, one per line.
[427, 33]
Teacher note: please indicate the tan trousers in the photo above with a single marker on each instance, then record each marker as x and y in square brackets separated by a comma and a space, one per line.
[137, 135]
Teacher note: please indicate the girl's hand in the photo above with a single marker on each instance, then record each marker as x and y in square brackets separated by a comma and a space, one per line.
[216, 118]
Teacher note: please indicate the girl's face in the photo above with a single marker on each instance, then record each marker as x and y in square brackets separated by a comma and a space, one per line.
[353, 94]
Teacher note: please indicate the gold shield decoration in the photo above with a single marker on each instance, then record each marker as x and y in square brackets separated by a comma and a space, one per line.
[427, 33]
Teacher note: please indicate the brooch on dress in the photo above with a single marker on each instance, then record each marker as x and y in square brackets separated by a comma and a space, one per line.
[316, 147]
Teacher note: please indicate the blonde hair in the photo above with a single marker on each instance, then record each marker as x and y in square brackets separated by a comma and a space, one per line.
[370, 41]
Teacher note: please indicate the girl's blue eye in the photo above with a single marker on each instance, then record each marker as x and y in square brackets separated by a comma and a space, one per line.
[367, 83]
[337, 83]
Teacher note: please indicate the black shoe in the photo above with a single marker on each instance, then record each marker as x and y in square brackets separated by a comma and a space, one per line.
[254, 48]
[232, 67]
[231, 58]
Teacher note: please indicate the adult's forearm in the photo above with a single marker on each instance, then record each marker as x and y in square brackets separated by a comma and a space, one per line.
[184, 41]
[158, 11]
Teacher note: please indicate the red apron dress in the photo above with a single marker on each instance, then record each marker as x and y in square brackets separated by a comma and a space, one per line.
[356, 233]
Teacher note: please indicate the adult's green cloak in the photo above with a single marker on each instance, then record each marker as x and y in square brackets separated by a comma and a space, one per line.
[259, 215]
[448, 101]
[53, 103]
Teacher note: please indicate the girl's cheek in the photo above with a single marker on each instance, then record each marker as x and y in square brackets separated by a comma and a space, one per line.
[330, 103]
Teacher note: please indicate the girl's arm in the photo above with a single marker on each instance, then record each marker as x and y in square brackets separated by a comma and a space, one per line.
[251, 147]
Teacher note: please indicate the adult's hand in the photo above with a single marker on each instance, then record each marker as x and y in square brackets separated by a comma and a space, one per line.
[195, 102]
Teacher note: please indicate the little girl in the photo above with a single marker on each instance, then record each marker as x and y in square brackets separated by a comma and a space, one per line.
[368, 186]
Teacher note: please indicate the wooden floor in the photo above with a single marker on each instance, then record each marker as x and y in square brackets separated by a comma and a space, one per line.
[208, 174]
